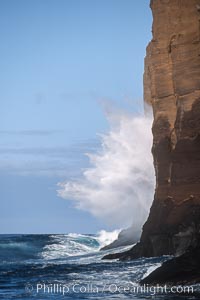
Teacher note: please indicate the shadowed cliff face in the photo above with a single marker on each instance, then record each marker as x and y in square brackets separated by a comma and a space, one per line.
[172, 87]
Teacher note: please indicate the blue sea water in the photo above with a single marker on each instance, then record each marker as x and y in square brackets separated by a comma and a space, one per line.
[69, 266]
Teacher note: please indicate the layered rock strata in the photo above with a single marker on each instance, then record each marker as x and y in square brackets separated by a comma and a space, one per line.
[172, 87]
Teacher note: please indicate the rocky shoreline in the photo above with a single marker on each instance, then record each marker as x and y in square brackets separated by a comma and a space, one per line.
[179, 270]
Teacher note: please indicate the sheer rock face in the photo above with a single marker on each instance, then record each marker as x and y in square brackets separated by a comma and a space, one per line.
[172, 87]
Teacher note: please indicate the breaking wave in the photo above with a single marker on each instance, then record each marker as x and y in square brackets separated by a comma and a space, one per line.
[118, 186]
[75, 244]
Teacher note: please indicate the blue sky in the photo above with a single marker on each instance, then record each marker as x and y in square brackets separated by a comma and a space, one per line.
[59, 61]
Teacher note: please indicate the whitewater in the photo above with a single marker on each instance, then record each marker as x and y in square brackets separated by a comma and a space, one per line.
[121, 168]
[41, 266]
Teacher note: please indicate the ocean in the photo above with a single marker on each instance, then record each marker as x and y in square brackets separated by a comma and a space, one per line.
[70, 266]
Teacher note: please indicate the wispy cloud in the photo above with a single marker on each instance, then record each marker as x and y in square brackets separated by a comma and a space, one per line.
[46, 161]
[70, 151]
[29, 132]
[47, 168]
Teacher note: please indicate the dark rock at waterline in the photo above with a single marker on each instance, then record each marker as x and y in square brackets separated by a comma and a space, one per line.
[184, 269]
[125, 238]
[133, 253]
[174, 93]
[167, 239]
[172, 87]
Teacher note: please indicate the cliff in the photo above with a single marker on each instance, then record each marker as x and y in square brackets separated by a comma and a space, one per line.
[172, 87]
